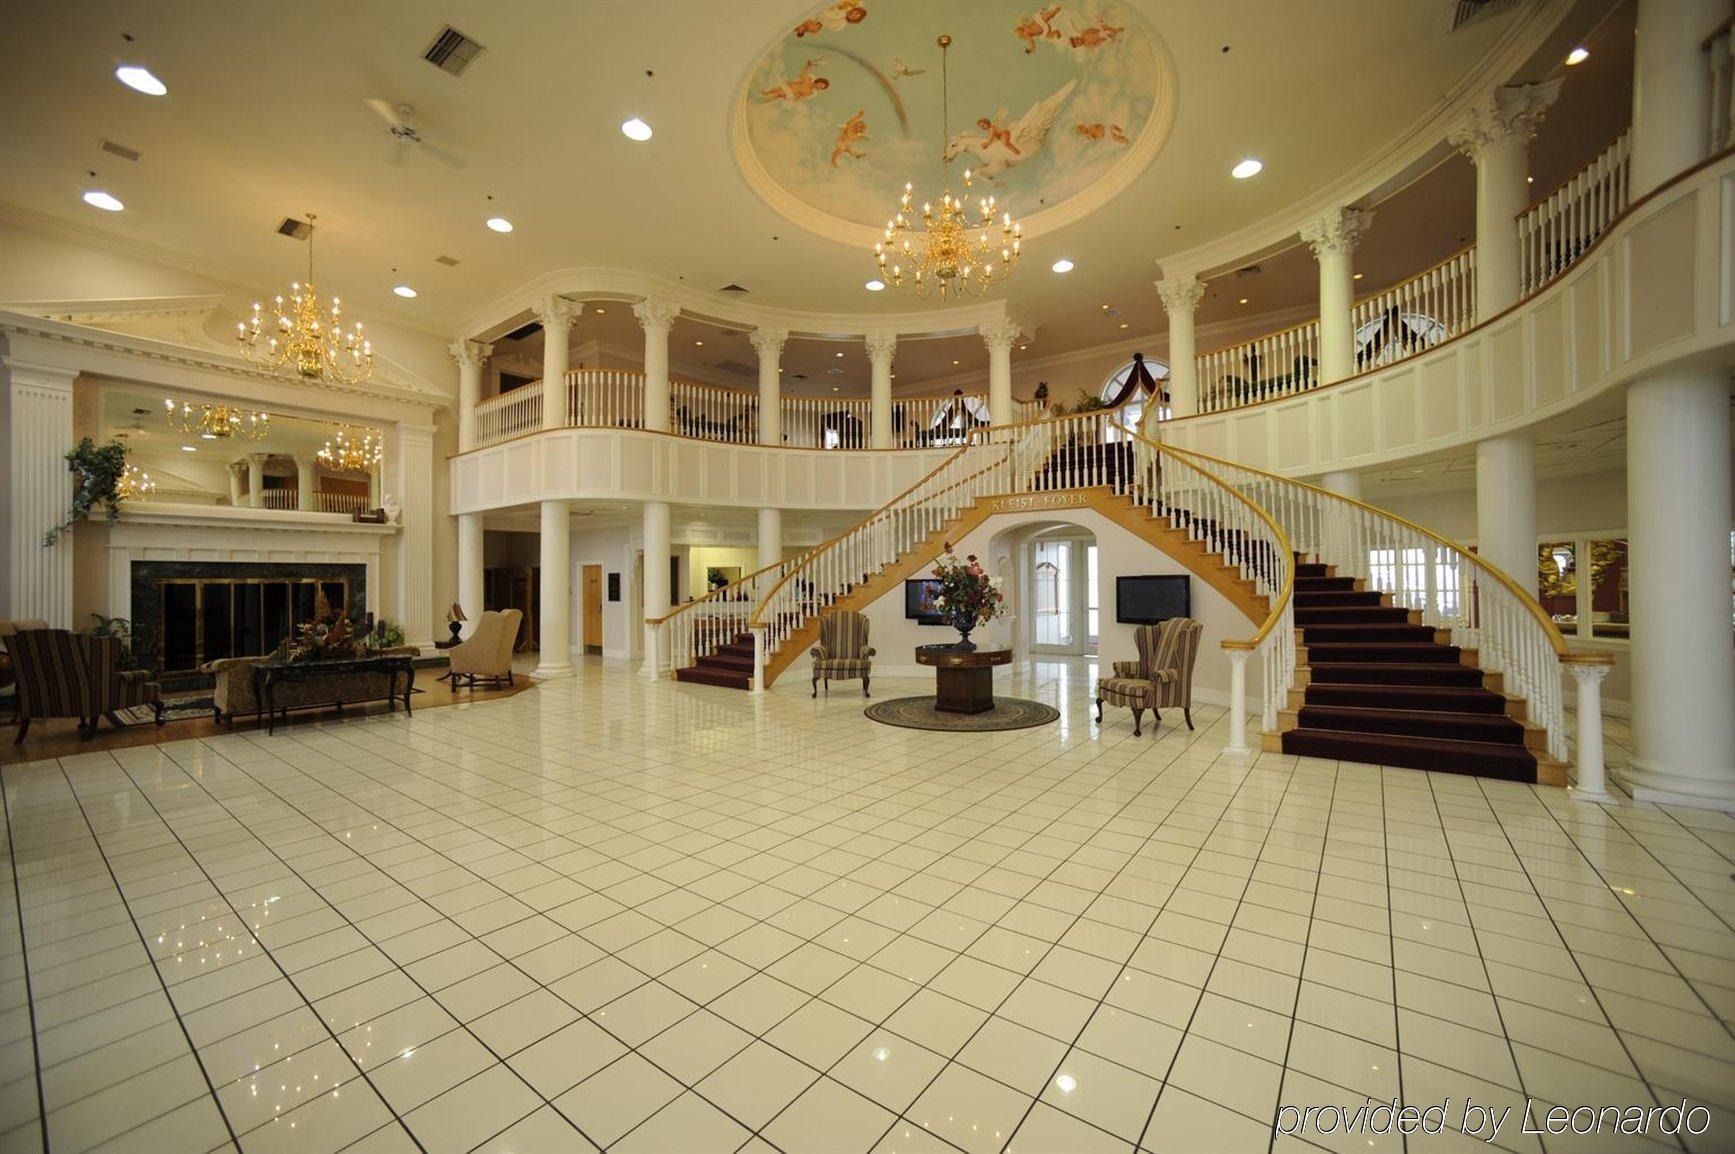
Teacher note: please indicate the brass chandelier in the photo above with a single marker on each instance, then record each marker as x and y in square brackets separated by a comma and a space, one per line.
[216, 422]
[351, 452]
[319, 347]
[133, 483]
[954, 256]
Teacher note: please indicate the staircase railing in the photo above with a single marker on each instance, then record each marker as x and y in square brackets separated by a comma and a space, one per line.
[510, 414]
[1453, 588]
[1278, 364]
[700, 627]
[1553, 232]
[1413, 315]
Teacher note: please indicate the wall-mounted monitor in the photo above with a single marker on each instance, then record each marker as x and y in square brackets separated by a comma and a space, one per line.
[1148, 600]
[919, 596]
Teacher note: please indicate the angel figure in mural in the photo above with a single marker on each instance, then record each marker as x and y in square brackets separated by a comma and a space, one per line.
[1032, 28]
[797, 88]
[853, 131]
[833, 19]
[1005, 145]
[1095, 35]
[901, 70]
[1098, 131]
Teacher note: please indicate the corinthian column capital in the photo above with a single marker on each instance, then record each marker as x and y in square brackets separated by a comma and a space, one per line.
[556, 312]
[470, 354]
[768, 342]
[655, 314]
[1337, 231]
[999, 335]
[1506, 114]
[881, 347]
[1180, 295]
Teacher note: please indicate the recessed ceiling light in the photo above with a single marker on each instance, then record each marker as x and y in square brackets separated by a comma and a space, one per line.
[840, 354]
[1061, 265]
[698, 342]
[138, 78]
[1578, 55]
[599, 312]
[1021, 348]
[874, 286]
[1123, 324]
[1530, 180]
[404, 291]
[636, 129]
[954, 362]
[1246, 168]
[97, 198]
[1243, 300]
[499, 224]
[189, 448]
[1358, 276]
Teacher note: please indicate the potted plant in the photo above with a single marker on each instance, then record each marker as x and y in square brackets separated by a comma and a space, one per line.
[967, 596]
[96, 470]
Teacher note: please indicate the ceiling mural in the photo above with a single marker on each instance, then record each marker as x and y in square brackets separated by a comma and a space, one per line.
[1054, 108]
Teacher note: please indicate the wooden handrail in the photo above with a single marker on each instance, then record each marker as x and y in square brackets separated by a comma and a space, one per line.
[753, 393]
[1273, 334]
[1572, 176]
[720, 590]
[1395, 285]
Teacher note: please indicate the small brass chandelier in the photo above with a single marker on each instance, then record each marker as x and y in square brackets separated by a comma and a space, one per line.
[955, 257]
[216, 422]
[319, 347]
[134, 482]
[351, 452]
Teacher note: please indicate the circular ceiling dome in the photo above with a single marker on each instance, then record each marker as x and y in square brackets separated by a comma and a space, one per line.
[1055, 109]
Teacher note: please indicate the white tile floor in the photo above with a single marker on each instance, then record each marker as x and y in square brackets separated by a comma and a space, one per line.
[654, 917]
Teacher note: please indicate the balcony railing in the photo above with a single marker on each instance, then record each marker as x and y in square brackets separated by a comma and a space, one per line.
[510, 414]
[1432, 306]
[341, 502]
[278, 499]
[1278, 364]
[1556, 230]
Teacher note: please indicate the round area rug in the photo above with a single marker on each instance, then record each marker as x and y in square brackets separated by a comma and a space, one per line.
[919, 713]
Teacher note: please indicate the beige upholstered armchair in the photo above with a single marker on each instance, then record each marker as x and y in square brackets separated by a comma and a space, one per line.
[1163, 674]
[843, 653]
[486, 655]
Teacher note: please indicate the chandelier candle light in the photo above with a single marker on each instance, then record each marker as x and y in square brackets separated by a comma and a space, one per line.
[352, 452]
[216, 422]
[954, 257]
[321, 349]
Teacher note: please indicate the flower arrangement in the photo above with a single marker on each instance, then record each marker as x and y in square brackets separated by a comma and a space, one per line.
[967, 594]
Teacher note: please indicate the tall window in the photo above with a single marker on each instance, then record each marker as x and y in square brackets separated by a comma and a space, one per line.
[1134, 413]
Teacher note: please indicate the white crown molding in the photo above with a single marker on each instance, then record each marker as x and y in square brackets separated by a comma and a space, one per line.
[1531, 25]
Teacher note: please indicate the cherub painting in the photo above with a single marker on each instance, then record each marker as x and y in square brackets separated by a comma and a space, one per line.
[833, 19]
[854, 130]
[798, 88]
[1097, 130]
[1095, 35]
[1032, 28]
[1004, 145]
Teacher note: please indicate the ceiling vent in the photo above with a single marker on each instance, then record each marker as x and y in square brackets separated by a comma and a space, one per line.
[737, 368]
[1248, 270]
[452, 51]
[120, 150]
[294, 229]
[528, 330]
[448, 261]
[798, 376]
[1466, 11]
[731, 288]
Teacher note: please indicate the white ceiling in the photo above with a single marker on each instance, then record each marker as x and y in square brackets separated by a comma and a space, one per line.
[265, 118]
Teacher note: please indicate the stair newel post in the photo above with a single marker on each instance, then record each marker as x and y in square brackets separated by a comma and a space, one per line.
[758, 659]
[1237, 652]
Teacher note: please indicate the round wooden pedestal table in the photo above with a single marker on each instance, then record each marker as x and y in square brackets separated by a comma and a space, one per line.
[963, 680]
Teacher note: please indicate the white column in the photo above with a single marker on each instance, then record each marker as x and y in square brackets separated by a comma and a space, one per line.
[1588, 669]
[881, 347]
[1333, 238]
[656, 533]
[655, 317]
[237, 470]
[770, 536]
[306, 466]
[1494, 135]
[472, 358]
[1343, 482]
[768, 343]
[554, 609]
[36, 491]
[1506, 506]
[556, 314]
[1671, 88]
[1678, 517]
[414, 481]
[1180, 300]
[470, 570]
[1237, 655]
[256, 480]
[999, 337]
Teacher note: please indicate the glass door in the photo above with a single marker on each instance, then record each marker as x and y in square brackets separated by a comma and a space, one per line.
[1051, 597]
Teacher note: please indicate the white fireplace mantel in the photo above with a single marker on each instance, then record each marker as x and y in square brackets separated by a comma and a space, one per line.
[167, 514]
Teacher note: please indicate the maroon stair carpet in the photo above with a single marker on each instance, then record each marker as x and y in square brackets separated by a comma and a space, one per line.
[1382, 690]
[730, 667]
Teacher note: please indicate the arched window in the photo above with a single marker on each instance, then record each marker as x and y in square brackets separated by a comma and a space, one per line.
[1394, 335]
[1135, 410]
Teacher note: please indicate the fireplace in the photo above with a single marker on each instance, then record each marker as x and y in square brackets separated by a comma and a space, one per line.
[186, 613]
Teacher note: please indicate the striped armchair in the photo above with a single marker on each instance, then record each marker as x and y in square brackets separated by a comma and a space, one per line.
[843, 653]
[1163, 674]
[65, 674]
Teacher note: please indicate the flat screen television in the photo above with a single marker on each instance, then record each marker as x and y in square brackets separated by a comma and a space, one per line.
[1148, 600]
[919, 601]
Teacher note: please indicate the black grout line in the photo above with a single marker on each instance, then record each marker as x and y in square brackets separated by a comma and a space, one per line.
[1391, 931]
[24, 963]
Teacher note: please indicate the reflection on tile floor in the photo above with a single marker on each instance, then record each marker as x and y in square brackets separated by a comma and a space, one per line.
[650, 917]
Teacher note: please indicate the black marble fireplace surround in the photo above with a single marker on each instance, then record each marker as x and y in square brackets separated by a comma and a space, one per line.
[185, 613]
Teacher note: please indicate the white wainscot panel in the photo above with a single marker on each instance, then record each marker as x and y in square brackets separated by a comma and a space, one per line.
[1590, 344]
[1507, 367]
[1548, 359]
[1292, 425]
[1398, 411]
[1355, 420]
[1441, 396]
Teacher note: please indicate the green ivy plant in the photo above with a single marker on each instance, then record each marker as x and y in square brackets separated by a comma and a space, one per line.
[96, 471]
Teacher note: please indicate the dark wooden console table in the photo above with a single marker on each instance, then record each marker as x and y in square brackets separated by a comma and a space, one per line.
[267, 676]
[963, 681]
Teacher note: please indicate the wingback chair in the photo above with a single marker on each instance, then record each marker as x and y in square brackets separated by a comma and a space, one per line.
[66, 674]
[486, 655]
[843, 653]
[1163, 674]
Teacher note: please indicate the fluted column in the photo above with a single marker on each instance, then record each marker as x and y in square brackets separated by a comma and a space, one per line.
[1494, 134]
[1671, 88]
[656, 532]
[414, 495]
[656, 317]
[768, 343]
[36, 491]
[770, 536]
[237, 470]
[554, 605]
[1000, 336]
[881, 347]
[470, 570]
[472, 358]
[306, 473]
[1180, 300]
[1333, 238]
[256, 480]
[555, 314]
